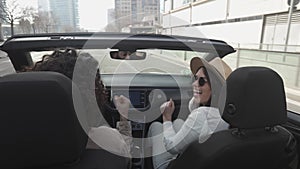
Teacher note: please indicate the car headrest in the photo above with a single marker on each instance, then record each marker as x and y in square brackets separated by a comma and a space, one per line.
[255, 98]
[38, 122]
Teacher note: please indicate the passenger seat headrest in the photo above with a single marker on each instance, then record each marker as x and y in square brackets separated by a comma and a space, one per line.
[255, 98]
[38, 122]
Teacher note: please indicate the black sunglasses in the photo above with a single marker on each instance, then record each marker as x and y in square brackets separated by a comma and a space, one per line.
[201, 80]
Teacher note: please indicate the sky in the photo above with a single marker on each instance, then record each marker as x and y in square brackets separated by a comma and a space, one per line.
[92, 13]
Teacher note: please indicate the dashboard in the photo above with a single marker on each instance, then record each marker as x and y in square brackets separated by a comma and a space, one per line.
[147, 92]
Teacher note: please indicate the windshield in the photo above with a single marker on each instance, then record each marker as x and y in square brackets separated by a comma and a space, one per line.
[157, 61]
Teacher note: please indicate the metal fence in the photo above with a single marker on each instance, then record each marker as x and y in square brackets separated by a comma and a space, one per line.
[286, 64]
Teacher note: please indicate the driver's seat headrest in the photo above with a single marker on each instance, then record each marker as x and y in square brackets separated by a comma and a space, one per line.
[255, 98]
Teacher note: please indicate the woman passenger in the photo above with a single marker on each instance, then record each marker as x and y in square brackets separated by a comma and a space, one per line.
[116, 141]
[203, 120]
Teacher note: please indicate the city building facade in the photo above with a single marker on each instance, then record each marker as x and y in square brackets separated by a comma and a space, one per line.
[66, 13]
[43, 5]
[265, 24]
[137, 13]
[3, 33]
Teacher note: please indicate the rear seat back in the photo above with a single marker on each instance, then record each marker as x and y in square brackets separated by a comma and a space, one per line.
[39, 126]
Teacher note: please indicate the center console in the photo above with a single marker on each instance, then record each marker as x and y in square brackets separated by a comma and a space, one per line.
[139, 103]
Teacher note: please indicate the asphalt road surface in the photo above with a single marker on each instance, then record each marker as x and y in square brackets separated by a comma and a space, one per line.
[6, 66]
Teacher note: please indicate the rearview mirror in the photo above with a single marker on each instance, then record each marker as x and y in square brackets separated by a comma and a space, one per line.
[127, 55]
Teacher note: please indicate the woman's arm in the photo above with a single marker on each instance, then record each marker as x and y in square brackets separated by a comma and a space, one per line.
[124, 126]
[200, 124]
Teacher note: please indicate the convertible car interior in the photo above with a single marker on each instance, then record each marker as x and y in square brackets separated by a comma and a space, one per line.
[40, 127]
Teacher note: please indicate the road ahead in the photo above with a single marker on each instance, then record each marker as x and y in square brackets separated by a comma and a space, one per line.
[5, 65]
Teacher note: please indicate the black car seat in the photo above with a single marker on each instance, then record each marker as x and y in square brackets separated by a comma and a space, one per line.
[39, 126]
[255, 108]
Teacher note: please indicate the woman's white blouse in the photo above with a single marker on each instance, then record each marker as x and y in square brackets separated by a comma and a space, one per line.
[199, 125]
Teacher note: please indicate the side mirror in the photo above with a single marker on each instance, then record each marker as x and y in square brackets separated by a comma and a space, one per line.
[127, 55]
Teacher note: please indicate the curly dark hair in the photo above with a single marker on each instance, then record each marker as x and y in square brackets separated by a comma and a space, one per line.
[59, 61]
[63, 61]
